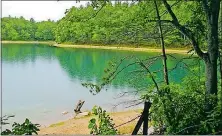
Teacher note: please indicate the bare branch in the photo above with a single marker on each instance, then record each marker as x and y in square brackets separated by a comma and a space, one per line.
[116, 72]
[171, 7]
[181, 61]
[188, 33]
[134, 104]
[154, 81]
[124, 93]
[129, 102]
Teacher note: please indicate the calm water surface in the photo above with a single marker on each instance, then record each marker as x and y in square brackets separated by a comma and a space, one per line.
[40, 82]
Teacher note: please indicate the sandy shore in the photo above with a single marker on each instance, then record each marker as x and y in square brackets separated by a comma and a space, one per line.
[113, 47]
[80, 125]
[142, 49]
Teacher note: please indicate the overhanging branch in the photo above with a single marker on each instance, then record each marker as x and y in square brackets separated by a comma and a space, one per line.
[188, 33]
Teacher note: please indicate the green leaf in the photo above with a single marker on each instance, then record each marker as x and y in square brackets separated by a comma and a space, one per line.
[93, 120]
[90, 125]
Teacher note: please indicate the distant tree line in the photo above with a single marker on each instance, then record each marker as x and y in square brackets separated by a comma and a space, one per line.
[116, 23]
[27, 30]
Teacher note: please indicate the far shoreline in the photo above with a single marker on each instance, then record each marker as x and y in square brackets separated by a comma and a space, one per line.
[34, 42]
[108, 47]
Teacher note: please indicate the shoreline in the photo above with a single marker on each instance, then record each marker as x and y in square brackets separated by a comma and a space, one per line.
[139, 49]
[34, 42]
[108, 47]
[71, 126]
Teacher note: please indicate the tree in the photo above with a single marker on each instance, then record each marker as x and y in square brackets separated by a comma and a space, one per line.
[32, 20]
[45, 30]
[210, 57]
[165, 70]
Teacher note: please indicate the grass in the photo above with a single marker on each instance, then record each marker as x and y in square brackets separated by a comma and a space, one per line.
[128, 129]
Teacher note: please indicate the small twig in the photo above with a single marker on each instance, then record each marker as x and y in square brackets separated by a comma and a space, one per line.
[124, 102]
[181, 61]
[123, 94]
[116, 72]
[154, 81]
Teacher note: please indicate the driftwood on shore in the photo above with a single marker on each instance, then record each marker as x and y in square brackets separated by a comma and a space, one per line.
[79, 106]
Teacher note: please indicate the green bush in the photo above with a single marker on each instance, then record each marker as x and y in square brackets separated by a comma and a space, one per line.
[182, 109]
[105, 127]
[26, 128]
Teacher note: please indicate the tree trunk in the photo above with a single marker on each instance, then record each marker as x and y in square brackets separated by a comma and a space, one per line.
[165, 70]
[211, 77]
[220, 63]
[211, 9]
[220, 54]
[211, 58]
[213, 51]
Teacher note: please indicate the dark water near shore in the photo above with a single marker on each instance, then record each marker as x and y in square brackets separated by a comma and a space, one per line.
[39, 82]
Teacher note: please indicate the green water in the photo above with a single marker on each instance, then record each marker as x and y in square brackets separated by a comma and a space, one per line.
[40, 82]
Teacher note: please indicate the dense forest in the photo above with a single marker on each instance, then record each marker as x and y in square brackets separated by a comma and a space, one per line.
[20, 29]
[116, 23]
[119, 23]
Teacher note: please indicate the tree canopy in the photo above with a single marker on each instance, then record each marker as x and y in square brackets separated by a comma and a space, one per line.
[26, 30]
[116, 23]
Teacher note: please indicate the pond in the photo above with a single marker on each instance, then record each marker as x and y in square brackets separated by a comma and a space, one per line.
[39, 82]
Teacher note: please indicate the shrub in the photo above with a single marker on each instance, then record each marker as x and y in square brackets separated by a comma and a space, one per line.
[26, 128]
[182, 109]
[105, 127]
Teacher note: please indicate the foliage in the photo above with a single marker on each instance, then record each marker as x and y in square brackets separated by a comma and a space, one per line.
[177, 108]
[118, 23]
[5, 118]
[26, 30]
[26, 128]
[45, 30]
[105, 127]
[182, 110]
